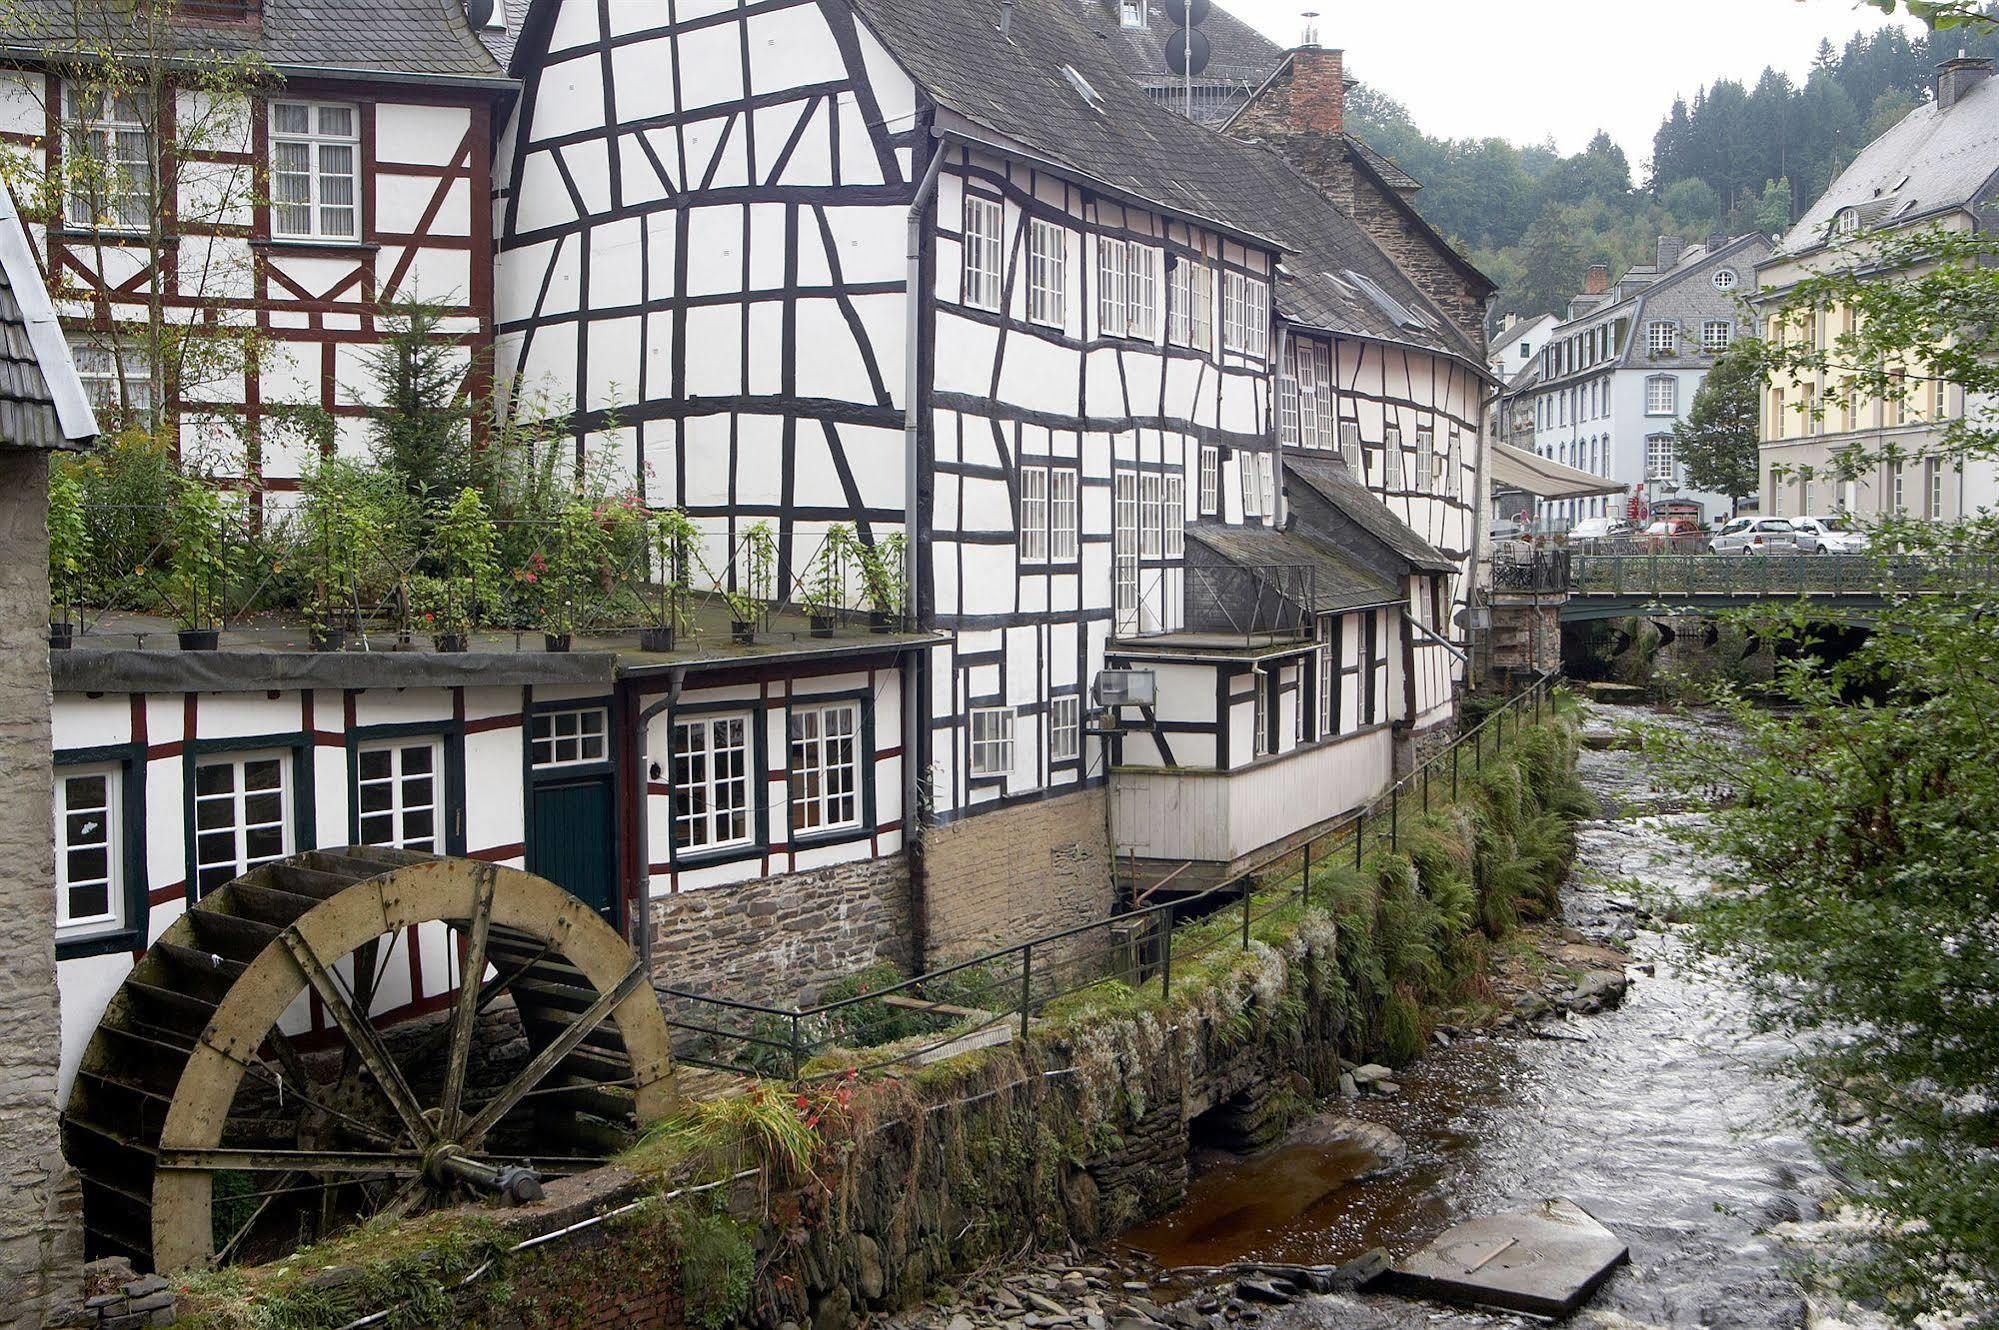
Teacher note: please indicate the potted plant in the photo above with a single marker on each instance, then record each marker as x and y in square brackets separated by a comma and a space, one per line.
[341, 538]
[756, 570]
[467, 546]
[573, 570]
[826, 581]
[199, 568]
[670, 537]
[69, 550]
[883, 582]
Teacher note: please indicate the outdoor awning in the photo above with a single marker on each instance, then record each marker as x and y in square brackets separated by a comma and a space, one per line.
[1517, 469]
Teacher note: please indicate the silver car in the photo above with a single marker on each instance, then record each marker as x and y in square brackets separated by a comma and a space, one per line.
[1755, 535]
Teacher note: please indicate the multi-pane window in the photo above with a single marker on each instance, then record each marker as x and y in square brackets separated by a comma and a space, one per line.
[1190, 304]
[1113, 285]
[241, 807]
[1064, 514]
[1897, 495]
[1065, 727]
[1034, 514]
[1328, 664]
[1211, 480]
[1287, 408]
[1252, 487]
[1426, 459]
[1151, 510]
[825, 767]
[1391, 454]
[1174, 532]
[1142, 293]
[1245, 314]
[984, 223]
[1933, 485]
[115, 378]
[108, 180]
[1662, 395]
[1260, 734]
[992, 741]
[89, 895]
[395, 791]
[1662, 337]
[1131, 13]
[1659, 457]
[1350, 447]
[711, 782]
[1716, 334]
[315, 170]
[1124, 551]
[568, 738]
[1047, 273]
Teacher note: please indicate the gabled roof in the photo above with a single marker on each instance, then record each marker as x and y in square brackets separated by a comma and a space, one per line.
[1694, 261]
[42, 403]
[1331, 481]
[1933, 161]
[1385, 170]
[1338, 583]
[422, 40]
[1014, 86]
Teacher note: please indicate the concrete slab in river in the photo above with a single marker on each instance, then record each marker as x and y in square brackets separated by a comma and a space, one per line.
[1545, 1261]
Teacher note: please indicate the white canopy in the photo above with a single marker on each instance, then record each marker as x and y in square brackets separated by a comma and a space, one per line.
[1517, 469]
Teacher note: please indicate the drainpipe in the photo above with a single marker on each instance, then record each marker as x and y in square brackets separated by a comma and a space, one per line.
[1280, 513]
[914, 713]
[676, 679]
[1479, 519]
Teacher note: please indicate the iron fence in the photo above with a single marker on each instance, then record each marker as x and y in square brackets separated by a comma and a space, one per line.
[1668, 576]
[987, 997]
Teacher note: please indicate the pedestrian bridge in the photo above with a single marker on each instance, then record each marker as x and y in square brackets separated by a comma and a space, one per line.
[1616, 585]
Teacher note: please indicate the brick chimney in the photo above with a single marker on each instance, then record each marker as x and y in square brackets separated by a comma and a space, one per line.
[1308, 97]
[1597, 280]
[1956, 78]
[1670, 249]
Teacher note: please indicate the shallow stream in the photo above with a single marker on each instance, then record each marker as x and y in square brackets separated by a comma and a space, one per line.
[1661, 1118]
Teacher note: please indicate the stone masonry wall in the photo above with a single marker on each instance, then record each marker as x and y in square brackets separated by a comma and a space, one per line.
[38, 1238]
[780, 940]
[999, 878]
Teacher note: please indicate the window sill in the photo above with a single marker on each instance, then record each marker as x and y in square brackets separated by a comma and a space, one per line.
[818, 837]
[712, 856]
[112, 940]
[114, 235]
[307, 244]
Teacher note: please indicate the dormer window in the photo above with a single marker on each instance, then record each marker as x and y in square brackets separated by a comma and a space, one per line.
[1131, 13]
[1725, 279]
[1846, 222]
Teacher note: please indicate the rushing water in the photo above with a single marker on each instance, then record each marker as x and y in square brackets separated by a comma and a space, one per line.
[1660, 1118]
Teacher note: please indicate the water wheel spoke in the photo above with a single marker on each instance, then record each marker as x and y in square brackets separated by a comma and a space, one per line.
[362, 1036]
[407, 1198]
[293, 1161]
[228, 1249]
[546, 1061]
[465, 1012]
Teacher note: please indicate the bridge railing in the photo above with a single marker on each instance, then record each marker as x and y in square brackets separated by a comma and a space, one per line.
[1735, 576]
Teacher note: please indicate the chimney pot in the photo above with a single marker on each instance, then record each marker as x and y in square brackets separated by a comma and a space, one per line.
[1597, 280]
[1956, 78]
[1670, 249]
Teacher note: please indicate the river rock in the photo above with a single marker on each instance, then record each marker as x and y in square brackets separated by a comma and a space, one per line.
[1599, 989]
[1371, 1073]
[1349, 1088]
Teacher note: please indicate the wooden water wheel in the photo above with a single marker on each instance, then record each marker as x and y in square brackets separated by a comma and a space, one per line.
[205, 1132]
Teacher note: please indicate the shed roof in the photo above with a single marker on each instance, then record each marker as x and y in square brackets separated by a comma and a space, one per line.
[1337, 583]
[1360, 505]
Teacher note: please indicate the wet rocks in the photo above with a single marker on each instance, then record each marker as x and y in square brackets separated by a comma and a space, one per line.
[1596, 991]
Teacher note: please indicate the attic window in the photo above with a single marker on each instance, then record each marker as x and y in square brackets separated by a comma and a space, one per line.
[1386, 303]
[1131, 13]
[1725, 279]
[1082, 87]
[1846, 222]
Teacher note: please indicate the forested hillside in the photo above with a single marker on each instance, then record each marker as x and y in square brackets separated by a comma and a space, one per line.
[1733, 159]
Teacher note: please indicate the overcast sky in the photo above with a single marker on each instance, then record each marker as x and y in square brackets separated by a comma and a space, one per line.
[1528, 69]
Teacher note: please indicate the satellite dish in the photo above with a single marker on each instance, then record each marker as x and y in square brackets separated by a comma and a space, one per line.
[1177, 11]
[479, 13]
[1185, 57]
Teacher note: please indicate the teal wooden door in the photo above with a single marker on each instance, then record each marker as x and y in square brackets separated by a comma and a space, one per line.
[573, 842]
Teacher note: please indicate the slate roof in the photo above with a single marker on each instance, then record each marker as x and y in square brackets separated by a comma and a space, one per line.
[1015, 87]
[1931, 162]
[42, 405]
[1332, 482]
[1337, 582]
[407, 39]
[1391, 175]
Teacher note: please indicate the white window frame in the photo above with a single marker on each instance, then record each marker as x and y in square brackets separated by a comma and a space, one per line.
[1245, 315]
[1266, 478]
[989, 745]
[1453, 465]
[239, 828]
[985, 250]
[1113, 286]
[1065, 727]
[1125, 544]
[1259, 739]
[1662, 337]
[1211, 480]
[1725, 279]
[69, 844]
[1426, 459]
[117, 133]
[1173, 535]
[1141, 291]
[1132, 13]
[396, 784]
[1328, 657]
[815, 746]
[317, 141]
[1661, 458]
[109, 390]
[1047, 273]
[1064, 514]
[1034, 523]
[1933, 485]
[1252, 486]
[1351, 449]
[1717, 334]
[569, 737]
[1151, 514]
[716, 814]
[1287, 409]
[1658, 403]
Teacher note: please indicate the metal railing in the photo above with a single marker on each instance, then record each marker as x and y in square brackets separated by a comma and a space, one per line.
[1537, 572]
[984, 998]
[1669, 576]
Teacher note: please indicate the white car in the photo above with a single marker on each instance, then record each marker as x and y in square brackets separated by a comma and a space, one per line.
[1836, 534]
[1597, 531]
[1755, 535]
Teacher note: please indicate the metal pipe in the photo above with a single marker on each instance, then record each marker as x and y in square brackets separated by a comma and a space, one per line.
[914, 300]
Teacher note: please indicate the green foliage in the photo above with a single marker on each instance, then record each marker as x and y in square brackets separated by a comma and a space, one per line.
[673, 542]
[1859, 882]
[466, 545]
[349, 540]
[883, 578]
[198, 572]
[717, 1265]
[756, 571]
[422, 434]
[69, 535]
[1716, 441]
[760, 1126]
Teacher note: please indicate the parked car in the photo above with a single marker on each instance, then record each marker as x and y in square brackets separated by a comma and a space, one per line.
[1593, 531]
[1671, 533]
[1756, 535]
[1506, 528]
[1836, 534]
